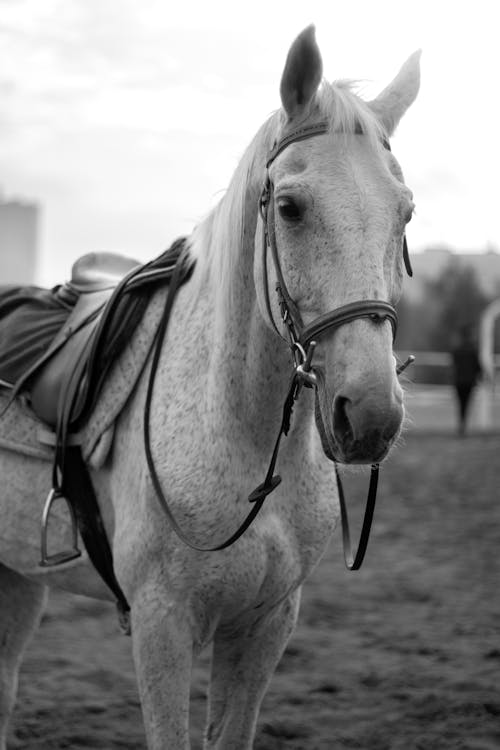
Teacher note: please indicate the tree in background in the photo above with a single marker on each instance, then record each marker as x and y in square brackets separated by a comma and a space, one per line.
[415, 322]
[451, 301]
[457, 301]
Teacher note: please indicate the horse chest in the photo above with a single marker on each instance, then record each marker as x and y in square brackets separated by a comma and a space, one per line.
[271, 561]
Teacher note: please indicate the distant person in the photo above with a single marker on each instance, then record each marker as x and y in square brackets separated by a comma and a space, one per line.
[466, 372]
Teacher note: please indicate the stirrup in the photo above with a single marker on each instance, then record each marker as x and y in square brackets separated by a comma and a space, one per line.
[64, 556]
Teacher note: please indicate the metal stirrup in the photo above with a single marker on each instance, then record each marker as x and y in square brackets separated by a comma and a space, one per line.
[64, 556]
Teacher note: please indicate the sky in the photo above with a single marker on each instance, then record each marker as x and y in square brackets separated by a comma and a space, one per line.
[124, 120]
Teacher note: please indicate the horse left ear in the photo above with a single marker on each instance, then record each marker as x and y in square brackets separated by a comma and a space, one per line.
[392, 103]
[302, 74]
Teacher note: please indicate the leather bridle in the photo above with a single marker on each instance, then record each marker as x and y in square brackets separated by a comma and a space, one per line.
[297, 332]
[302, 341]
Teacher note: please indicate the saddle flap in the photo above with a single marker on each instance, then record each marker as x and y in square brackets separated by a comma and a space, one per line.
[57, 378]
[59, 381]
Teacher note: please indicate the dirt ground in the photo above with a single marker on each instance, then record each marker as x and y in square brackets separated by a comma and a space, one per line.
[402, 655]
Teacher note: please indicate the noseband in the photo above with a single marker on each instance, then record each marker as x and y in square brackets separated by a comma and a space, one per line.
[302, 341]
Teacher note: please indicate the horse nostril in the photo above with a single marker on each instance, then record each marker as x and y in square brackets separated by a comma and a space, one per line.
[364, 425]
[341, 422]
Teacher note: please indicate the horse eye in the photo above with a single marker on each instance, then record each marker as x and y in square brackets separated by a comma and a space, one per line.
[289, 210]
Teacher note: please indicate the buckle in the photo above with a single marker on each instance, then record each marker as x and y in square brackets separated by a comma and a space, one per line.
[303, 369]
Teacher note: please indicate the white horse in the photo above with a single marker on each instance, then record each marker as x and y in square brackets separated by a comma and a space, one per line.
[339, 209]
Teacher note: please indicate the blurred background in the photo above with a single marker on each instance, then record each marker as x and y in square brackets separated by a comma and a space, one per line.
[121, 124]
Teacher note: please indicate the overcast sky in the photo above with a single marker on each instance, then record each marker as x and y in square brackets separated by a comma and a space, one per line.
[125, 119]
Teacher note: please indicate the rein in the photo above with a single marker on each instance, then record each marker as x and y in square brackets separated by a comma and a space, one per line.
[302, 342]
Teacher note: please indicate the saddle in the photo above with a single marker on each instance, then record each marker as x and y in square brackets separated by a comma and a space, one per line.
[107, 296]
[58, 382]
[102, 305]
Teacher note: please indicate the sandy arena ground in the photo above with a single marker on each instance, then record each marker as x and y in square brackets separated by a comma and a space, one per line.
[403, 655]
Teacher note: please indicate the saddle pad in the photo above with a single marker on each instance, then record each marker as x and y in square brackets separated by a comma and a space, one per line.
[30, 317]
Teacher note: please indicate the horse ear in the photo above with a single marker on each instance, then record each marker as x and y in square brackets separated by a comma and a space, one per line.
[302, 74]
[391, 104]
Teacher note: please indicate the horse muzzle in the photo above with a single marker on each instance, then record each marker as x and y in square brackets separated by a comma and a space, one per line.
[359, 424]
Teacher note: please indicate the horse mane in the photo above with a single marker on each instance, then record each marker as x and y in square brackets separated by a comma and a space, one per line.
[217, 240]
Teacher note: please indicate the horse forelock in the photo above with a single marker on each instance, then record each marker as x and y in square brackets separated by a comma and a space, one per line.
[347, 112]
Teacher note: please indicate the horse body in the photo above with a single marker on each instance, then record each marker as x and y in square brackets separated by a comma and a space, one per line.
[341, 208]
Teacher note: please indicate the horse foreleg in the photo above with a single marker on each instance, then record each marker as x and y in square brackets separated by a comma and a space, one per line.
[242, 667]
[21, 606]
[162, 647]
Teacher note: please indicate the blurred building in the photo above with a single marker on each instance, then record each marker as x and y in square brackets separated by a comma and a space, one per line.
[18, 241]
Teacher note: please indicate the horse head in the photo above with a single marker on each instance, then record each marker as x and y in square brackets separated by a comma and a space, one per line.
[335, 212]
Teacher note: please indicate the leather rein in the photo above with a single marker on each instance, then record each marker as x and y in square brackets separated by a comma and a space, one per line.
[302, 342]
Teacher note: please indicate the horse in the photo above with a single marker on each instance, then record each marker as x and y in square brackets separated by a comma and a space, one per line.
[333, 211]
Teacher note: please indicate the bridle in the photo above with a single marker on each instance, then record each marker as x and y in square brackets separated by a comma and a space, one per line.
[300, 336]
[302, 342]
[303, 339]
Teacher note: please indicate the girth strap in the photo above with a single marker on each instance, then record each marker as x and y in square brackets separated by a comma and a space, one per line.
[77, 485]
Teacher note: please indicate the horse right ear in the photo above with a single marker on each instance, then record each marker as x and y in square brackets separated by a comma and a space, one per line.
[302, 75]
[391, 104]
